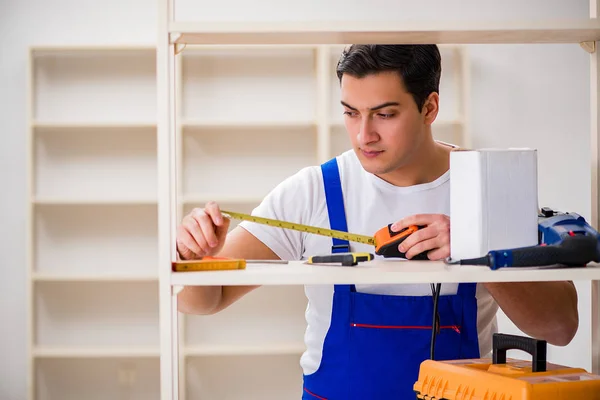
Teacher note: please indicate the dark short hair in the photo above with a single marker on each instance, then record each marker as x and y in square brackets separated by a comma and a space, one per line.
[419, 66]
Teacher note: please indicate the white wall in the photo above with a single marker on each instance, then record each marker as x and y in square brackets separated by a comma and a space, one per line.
[534, 95]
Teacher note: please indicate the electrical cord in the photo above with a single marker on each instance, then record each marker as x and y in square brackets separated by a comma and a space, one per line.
[435, 325]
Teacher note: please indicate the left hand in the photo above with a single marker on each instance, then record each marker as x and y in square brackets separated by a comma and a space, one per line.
[434, 238]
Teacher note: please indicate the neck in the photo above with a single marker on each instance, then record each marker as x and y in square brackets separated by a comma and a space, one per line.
[430, 161]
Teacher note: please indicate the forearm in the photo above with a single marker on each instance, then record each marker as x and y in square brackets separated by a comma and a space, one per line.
[544, 310]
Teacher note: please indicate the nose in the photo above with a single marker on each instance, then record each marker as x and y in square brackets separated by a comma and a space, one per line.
[367, 133]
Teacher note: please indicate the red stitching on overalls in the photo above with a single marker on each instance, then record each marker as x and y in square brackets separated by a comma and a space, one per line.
[453, 327]
[314, 395]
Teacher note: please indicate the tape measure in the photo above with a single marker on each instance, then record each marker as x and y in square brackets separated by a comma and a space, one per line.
[208, 264]
[351, 237]
[385, 240]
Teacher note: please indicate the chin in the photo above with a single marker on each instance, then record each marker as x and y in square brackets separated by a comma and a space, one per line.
[373, 166]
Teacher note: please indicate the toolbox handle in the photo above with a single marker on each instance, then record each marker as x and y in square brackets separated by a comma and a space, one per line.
[536, 348]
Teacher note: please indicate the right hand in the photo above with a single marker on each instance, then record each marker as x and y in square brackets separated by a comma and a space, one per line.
[202, 232]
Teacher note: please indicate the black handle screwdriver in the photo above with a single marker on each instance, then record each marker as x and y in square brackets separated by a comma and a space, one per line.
[573, 251]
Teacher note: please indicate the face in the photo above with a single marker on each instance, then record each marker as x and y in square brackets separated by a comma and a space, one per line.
[383, 121]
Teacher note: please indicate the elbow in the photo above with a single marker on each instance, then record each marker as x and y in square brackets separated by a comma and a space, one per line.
[189, 301]
[566, 332]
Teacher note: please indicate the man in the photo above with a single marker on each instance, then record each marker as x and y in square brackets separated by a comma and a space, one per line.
[367, 341]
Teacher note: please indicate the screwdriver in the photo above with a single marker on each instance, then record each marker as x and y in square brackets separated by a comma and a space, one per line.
[573, 251]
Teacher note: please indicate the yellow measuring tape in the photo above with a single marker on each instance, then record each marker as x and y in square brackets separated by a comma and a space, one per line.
[351, 237]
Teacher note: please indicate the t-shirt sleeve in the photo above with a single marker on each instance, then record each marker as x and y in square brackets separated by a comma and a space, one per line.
[292, 200]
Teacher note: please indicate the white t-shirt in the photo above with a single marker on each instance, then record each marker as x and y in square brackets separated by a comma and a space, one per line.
[370, 204]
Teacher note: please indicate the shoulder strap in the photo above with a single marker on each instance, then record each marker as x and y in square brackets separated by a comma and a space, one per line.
[335, 203]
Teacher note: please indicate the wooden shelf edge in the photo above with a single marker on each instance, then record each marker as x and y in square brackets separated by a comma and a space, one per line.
[378, 272]
[65, 277]
[95, 352]
[199, 124]
[203, 199]
[244, 350]
[340, 32]
[92, 202]
[53, 125]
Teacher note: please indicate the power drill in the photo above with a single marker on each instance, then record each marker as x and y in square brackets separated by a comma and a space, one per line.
[563, 238]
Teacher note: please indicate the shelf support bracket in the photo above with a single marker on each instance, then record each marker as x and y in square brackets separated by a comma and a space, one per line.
[590, 47]
[179, 47]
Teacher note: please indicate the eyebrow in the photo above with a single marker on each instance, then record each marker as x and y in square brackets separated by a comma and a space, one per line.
[389, 103]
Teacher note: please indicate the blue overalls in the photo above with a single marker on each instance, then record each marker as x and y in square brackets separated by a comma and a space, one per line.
[376, 343]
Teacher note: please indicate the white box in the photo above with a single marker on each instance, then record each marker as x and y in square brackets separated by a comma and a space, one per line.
[493, 201]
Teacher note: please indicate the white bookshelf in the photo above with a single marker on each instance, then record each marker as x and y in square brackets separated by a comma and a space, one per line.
[93, 227]
[201, 377]
[249, 117]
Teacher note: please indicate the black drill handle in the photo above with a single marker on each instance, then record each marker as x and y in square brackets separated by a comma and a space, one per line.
[534, 347]
[576, 250]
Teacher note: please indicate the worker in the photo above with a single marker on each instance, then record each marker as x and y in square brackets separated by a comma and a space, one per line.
[367, 341]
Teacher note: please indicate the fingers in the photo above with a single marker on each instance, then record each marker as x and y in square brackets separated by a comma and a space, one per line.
[433, 239]
[416, 237]
[439, 254]
[417, 219]
[212, 209]
[202, 232]
[193, 224]
[421, 247]
[186, 245]
[206, 231]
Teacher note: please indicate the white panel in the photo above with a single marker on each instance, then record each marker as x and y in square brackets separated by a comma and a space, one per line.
[102, 86]
[248, 85]
[95, 239]
[93, 379]
[243, 162]
[96, 314]
[375, 10]
[269, 315]
[95, 163]
[248, 378]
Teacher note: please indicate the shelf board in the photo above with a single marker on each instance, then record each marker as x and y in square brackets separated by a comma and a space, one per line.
[203, 199]
[66, 277]
[93, 201]
[95, 352]
[94, 125]
[200, 124]
[243, 350]
[340, 32]
[379, 271]
[69, 50]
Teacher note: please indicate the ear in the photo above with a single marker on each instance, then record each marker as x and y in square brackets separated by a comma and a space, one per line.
[431, 108]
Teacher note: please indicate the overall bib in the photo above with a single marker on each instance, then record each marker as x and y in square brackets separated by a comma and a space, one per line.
[376, 343]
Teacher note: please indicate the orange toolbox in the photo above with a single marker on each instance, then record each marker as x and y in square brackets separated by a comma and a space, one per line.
[500, 378]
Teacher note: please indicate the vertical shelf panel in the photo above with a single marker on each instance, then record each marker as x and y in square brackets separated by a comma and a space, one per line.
[222, 84]
[96, 315]
[249, 378]
[95, 85]
[95, 164]
[98, 379]
[238, 162]
[95, 239]
[269, 315]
